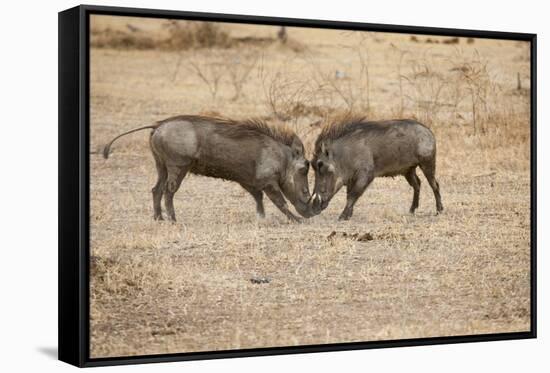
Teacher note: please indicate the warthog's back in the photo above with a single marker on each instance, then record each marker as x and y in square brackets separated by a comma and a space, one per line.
[393, 146]
[398, 145]
[213, 147]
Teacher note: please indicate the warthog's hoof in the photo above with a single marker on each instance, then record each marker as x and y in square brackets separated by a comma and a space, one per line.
[293, 218]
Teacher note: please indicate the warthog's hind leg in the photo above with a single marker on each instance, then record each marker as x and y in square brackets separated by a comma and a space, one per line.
[414, 181]
[173, 182]
[429, 171]
[158, 189]
[356, 190]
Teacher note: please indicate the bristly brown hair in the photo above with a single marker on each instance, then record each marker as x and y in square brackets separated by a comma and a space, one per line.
[349, 125]
[335, 129]
[240, 128]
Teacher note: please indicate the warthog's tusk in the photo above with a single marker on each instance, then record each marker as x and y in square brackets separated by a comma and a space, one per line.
[317, 198]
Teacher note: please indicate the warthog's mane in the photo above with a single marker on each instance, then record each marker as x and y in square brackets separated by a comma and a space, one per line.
[244, 128]
[336, 129]
[349, 126]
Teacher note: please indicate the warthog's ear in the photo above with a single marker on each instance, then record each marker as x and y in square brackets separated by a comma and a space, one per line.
[297, 147]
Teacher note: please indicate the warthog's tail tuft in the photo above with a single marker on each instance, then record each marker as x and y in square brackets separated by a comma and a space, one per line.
[107, 148]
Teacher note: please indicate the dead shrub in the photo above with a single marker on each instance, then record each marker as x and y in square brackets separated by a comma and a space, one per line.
[182, 35]
[239, 70]
[425, 90]
[117, 39]
[284, 92]
[191, 35]
[347, 86]
[186, 35]
[474, 76]
[210, 74]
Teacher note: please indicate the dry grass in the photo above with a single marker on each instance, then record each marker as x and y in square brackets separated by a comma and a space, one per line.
[221, 279]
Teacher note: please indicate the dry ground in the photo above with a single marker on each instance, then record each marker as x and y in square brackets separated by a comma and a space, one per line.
[158, 287]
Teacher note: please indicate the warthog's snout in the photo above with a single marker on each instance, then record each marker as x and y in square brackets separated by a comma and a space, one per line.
[304, 209]
[317, 204]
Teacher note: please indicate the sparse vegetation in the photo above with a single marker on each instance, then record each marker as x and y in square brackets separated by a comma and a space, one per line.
[210, 73]
[189, 35]
[286, 96]
[180, 35]
[240, 69]
[221, 279]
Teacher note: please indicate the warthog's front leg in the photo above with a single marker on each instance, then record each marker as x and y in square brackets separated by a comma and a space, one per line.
[355, 190]
[276, 196]
[259, 198]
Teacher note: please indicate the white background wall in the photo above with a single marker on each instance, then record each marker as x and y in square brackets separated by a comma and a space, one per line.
[28, 208]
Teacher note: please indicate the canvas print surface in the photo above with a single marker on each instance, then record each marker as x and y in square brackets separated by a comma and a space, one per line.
[299, 186]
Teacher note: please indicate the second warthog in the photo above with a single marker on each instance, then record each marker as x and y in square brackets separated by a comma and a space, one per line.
[260, 157]
[354, 152]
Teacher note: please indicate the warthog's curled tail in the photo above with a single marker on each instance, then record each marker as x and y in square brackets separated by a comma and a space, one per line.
[107, 148]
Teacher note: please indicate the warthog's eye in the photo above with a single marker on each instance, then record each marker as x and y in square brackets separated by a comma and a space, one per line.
[319, 164]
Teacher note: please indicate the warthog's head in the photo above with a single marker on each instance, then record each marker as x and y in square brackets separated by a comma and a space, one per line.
[295, 183]
[328, 181]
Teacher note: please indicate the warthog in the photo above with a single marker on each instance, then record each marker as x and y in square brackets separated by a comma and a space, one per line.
[260, 157]
[354, 152]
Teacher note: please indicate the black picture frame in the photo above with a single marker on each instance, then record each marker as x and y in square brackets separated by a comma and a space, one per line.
[74, 198]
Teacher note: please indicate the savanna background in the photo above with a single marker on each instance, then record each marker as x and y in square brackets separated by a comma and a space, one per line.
[222, 279]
